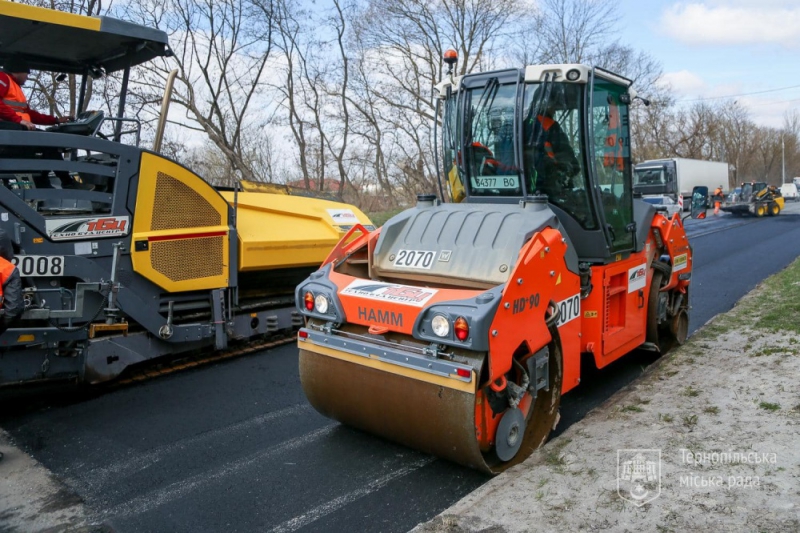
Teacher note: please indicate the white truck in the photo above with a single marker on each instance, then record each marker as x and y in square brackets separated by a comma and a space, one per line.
[676, 177]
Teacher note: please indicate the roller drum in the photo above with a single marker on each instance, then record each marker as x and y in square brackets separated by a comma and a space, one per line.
[424, 416]
[429, 418]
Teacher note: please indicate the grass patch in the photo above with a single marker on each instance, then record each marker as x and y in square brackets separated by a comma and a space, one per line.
[772, 350]
[632, 409]
[780, 304]
[691, 392]
[556, 459]
[769, 406]
[666, 418]
[690, 421]
[379, 218]
[711, 410]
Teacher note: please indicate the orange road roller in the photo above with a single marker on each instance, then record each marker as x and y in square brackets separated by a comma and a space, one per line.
[456, 327]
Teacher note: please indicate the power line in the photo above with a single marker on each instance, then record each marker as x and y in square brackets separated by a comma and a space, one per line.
[775, 103]
[741, 94]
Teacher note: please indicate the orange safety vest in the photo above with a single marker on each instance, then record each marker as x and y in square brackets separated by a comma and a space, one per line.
[613, 155]
[547, 123]
[15, 99]
[6, 269]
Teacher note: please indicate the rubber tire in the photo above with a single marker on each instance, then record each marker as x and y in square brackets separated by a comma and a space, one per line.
[662, 336]
[761, 210]
[774, 209]
[652, 307]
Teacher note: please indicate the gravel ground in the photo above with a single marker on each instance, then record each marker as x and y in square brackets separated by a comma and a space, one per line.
[713, 427]
[32, 500]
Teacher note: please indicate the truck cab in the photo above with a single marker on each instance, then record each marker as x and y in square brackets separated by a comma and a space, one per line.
[653, 178]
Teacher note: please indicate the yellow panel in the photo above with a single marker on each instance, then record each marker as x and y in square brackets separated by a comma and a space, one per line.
[49, 16]
[283, 231]
[183, 222]
[374, 362]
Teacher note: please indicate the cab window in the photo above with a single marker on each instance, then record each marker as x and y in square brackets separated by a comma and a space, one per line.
[612, 161]
[552, 148]
[493, 170]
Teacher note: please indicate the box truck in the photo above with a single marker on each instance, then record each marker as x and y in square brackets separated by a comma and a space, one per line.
[676, 177]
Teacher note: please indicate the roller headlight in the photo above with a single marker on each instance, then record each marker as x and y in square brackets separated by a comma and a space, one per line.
[440, 326]
[573, 75]
[321, 304]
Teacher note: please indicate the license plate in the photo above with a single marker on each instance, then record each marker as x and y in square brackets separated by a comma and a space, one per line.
[39, 265]
[495, 182]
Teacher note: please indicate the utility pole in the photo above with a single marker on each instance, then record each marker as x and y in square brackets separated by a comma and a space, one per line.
[783, 160]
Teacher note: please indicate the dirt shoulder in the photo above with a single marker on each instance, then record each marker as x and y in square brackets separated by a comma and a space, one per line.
[716, 421]
[32, 500]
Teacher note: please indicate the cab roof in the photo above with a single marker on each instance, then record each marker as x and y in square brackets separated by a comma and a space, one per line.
[57, 41]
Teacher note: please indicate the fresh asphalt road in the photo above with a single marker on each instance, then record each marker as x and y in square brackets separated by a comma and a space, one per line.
[235, 447]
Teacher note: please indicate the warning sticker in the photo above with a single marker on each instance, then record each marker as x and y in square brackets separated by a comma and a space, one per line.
[680, 262]
[389, 292]
[637, 277]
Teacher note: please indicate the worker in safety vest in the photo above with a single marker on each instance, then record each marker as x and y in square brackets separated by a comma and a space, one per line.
[547, 147]
[718, 197]
[15, 114]
[10, 285]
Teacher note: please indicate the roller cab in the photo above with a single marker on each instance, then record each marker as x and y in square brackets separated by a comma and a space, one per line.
[456, 327]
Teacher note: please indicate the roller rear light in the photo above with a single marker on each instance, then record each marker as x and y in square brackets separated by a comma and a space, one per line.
[461, 327]
[308, 299]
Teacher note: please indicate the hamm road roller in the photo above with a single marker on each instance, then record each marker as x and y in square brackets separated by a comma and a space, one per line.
[154, 261]
[456, 327]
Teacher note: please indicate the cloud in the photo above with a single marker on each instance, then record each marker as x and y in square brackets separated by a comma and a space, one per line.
[767, 22]
[683, 82]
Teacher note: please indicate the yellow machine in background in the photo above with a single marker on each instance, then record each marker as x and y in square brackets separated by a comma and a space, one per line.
[756, 198]
[154, 262]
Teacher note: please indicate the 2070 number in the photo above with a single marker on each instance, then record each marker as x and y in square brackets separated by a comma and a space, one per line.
[414, 259]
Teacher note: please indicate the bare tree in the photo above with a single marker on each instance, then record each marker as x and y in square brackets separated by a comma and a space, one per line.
[221, 48]
[573, 31]
[401, 44]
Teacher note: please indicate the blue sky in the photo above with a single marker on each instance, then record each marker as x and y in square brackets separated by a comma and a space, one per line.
[714, 48]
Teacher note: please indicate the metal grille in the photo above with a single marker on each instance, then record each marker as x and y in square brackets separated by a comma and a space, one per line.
[178, 206]
[185, 259]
